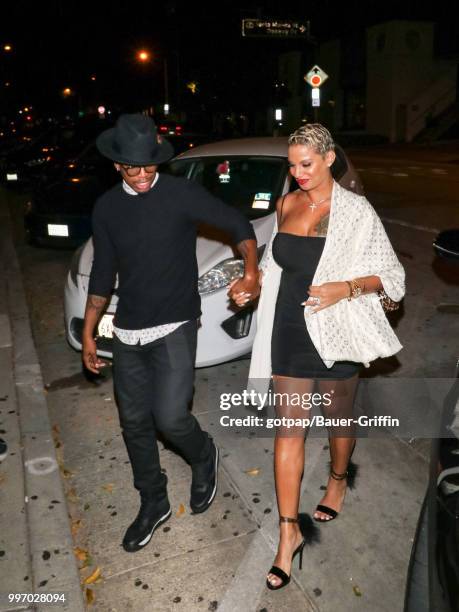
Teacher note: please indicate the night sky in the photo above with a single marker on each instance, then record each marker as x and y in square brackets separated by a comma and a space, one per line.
[58, 44]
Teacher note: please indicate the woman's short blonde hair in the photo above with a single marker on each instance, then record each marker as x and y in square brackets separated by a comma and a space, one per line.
[313, 135]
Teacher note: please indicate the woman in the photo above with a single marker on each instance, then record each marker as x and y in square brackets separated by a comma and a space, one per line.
[319, 318]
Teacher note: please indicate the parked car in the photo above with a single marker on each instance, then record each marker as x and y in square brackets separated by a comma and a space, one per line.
[180, 136]
[42, 157]
[167, 127]
[433, 574]
[249, 174]
[58, 213]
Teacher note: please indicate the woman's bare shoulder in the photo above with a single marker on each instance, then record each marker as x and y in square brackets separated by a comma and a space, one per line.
[287, 198]
[284, 202]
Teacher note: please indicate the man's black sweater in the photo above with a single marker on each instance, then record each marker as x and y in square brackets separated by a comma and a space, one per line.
[150, 241]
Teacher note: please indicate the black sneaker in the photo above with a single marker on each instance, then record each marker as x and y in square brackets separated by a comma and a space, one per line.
[3, 449]
[204, 481]
[151, 515]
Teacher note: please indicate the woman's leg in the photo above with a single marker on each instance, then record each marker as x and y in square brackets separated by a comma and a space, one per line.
[341, 439]
[288, 466]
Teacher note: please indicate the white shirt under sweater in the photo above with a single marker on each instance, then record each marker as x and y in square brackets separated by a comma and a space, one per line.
[149, 334]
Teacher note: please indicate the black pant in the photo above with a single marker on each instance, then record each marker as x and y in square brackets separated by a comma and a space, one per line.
[154, 387]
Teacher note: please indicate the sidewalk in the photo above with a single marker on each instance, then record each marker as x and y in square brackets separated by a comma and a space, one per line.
[36, 553]
[214, 561]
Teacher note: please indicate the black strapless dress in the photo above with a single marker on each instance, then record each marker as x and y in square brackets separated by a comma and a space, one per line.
[292, 351]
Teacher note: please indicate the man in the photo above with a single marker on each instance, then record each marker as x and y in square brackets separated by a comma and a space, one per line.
[144, 229]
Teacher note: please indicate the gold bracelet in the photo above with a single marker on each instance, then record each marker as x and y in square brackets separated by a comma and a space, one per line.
[356, 289]
[350, 289]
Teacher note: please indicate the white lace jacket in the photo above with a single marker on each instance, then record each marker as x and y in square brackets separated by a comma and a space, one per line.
[358, 330]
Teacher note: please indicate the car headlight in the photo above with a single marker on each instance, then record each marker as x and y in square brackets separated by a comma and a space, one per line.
[223, 273]
[75, 265]
[220, 275]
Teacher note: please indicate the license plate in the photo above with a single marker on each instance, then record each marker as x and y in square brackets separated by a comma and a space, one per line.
[58, 230]
[105, 327]
[11, 177]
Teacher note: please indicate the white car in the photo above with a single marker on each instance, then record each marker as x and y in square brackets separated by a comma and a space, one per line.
[249, 174]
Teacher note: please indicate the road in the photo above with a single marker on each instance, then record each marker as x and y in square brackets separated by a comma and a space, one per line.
[415, 198]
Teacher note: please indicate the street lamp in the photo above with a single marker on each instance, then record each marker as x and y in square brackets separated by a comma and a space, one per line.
[7, 48]
[144, 56]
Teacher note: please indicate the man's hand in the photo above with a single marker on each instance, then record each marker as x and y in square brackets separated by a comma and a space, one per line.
[323, 296]
[245, 289]
[95, 304]
[90, 359]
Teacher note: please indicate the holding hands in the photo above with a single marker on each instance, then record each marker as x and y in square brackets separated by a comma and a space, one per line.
[245, 289]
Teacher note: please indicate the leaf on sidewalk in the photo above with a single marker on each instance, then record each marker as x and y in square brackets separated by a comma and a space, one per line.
[76, 525]
[86, 507]
[93, 577]
[80, 553]
[181, 510]
[72, 496]
[56, 428]
[252, 472]
[66, 473]
[89, 593]
[108, 487]
[357, 591]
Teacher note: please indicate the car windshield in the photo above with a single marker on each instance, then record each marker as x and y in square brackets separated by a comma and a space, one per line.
[251, 184]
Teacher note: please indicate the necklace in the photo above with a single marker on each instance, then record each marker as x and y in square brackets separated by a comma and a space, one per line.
[314, 205]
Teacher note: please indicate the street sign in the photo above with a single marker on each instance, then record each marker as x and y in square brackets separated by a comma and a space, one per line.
[315, 94]
[272, 28]
[316, 76]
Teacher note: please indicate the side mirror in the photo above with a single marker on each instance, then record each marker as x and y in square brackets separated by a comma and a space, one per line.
[446, 244]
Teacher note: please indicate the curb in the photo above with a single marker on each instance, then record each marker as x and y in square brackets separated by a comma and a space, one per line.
[53, 564]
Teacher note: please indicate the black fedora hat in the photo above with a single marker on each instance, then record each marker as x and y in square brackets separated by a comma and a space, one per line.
[134, 140]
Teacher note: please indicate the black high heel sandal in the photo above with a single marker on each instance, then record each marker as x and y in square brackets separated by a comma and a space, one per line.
[326, 509]
[350, 474]
[277, 571]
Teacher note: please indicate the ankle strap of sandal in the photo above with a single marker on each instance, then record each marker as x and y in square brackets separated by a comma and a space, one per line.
[337, 476]
[287, 519]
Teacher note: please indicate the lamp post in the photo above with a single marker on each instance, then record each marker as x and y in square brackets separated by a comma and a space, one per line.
[144, 57]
